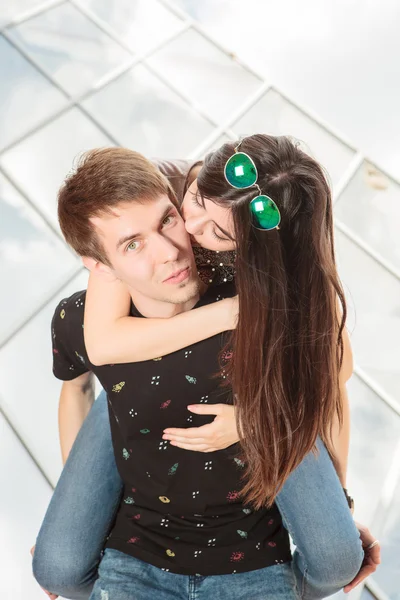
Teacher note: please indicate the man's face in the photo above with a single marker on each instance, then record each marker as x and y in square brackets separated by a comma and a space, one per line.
[150, 251]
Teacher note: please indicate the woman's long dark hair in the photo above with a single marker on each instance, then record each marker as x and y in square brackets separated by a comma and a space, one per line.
[288, 346]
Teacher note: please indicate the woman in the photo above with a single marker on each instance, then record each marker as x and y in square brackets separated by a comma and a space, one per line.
[289, 323]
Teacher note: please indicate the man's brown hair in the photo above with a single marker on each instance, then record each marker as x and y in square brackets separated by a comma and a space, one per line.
[103, 178]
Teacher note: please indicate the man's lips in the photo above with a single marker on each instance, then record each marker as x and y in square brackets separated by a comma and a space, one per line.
[178, 276]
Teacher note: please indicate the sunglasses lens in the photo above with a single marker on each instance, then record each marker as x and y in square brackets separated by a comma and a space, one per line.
[265, 213]
[240, 171]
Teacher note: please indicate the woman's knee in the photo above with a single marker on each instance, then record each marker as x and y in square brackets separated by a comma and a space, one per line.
[336, 563]
[63, 573]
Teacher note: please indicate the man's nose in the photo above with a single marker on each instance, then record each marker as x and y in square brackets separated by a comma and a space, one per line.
[195, 225]
[166, 250]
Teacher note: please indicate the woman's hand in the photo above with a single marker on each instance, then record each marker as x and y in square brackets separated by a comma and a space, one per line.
[219, 434]
[371, 560]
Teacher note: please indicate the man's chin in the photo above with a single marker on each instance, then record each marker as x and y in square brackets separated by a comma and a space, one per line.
[184, 292]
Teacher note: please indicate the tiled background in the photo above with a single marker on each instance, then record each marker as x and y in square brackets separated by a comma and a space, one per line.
[169, 79]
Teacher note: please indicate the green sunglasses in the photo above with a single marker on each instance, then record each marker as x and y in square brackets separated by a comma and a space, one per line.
[241, 173]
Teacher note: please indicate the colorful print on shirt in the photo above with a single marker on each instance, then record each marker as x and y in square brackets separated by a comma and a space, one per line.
[180, 510]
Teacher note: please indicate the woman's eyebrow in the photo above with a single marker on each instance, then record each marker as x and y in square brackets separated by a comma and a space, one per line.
[199, 198]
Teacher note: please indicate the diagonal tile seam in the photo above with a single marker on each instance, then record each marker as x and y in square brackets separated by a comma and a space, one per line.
[105, 27]
[225, 128]
[202, 31]
[377, 389]
[137, 58]
[350, 172]
[375, 589]
[30, 14]
[233, 117]
[188, 22]
[49, 224]
[344, 230]
[358, 241]
[188, 100]
[42, 305]
[76, 101]
[389, 487]
[120, 70]
[185, 18]
[306, 110]
[380, 516]
[220, 130]
[24, 445]
[355, 163]
[344, 181]
[333, 131]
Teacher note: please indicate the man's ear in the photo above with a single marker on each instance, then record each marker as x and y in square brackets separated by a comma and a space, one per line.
[98, 268]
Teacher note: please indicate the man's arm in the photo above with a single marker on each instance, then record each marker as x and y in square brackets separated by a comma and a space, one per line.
[76, 399]
[70, 364]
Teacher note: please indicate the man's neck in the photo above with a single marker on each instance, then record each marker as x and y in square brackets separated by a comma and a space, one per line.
[150, 308]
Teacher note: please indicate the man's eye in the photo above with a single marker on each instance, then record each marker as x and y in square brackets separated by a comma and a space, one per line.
[168, 220]
[133, 246]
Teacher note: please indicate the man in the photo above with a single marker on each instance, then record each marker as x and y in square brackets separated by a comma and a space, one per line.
[180, 511]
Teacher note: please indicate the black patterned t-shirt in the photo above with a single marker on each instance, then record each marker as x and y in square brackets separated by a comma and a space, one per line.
[180, 509]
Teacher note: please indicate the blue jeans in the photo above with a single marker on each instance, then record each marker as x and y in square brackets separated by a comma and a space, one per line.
[122, 577]
[69, 546]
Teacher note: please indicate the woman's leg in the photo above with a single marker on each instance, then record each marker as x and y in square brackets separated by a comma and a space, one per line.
[81, 512]
[314, 510]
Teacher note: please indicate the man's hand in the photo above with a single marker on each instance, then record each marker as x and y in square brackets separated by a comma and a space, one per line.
[50, 595]
[371, 560]
[219, 434]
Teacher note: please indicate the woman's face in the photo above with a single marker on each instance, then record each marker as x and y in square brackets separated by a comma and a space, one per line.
[209, 226]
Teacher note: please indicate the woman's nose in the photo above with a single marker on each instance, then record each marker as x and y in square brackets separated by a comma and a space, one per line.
[194, 225]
